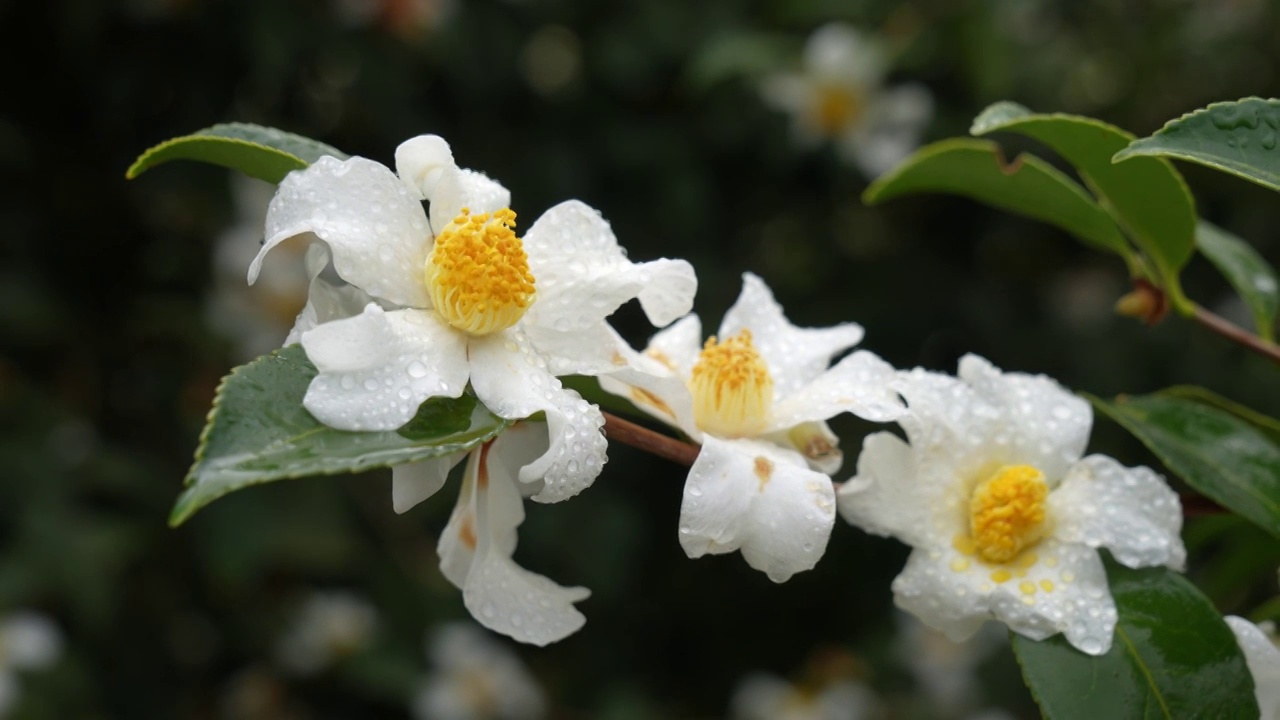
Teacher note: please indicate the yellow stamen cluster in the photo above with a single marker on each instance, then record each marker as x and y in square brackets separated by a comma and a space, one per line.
[836, 108]
[478, 273]
[732, 389]
[1007, 512]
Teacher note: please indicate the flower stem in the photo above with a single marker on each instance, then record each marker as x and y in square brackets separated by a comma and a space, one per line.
[1236, 334]
[628, 433]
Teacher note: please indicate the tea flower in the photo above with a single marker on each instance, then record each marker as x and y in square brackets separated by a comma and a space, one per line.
[944, 670]
[838, 97]
[829, 689]
[1004, 515]
[476, 678]
[28, 641]
[1263, 658]
[328, 627]
[458, 297]
[757, 396]
[476, 546]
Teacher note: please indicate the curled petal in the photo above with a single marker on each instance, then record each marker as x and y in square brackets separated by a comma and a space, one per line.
[1129, 511]
[860, 383]
[796, 356]
[760, 499]
[422, 161]
[510, 377]
[651, 382]
[412, 483]
[582, 275]
[374, 226]
[326, 301]
[376, 368]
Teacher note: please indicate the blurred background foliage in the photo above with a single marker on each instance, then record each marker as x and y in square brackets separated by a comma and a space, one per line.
[113, 340]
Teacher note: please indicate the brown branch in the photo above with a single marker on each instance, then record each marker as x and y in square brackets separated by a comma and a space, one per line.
[628, 433]
[1237, 334]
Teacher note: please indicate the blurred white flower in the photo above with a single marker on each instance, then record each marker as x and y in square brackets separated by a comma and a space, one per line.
[1258, 643]
[1004, 515]
[457, 298]
[837, 96]
[329, 626]
[757, 400]
[944, 669]
[475, 678]
[476, 546]
[828, 690]
[28, 641]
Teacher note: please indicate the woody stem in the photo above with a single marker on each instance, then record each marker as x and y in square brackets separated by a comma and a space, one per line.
[629, 433]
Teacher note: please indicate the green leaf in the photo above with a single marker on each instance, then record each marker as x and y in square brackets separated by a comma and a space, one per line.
[262, 152]
[1237, 137]
[1172, 657]
[1147, 197]
[1247, 272]
[1028, 186]
[1222, 456]
[1267, 424]
[258, 432]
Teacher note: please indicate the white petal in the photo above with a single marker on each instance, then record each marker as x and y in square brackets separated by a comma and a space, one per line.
[1064, 591]
[1129, 511]
[511, 379]
[457, 543]
[1048, 426]
[326, 301]
[678, 346]
[503, 596]
[649, 382]
[422, 161]
[891, 129]
[457, 189]
[376, 368]
[887, 498]
[760, 696]
[30, 641]
[788, 92]
[1263, 658]
[838, 52]
[588, 351]
[412, 483]
[375, 228]
[760, 499]
[795, 356]
[860, 383]
[582, 275]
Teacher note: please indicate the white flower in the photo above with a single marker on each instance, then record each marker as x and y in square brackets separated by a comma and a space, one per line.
[1004, 515]
[1263, 658]
[829, 689]
[838, 97]
[944, 669]
[28, 641]
[757, 400]
[328, 627]
[476, 679]
[458, 297]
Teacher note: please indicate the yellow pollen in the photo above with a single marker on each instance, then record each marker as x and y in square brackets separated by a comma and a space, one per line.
[1007, 513]
[732, 389]
[478, 274]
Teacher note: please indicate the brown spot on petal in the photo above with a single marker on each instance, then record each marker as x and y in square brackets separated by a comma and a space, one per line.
[467, 533]
[819, 448]
[617, 358]
[645, 397]
[764, 470]
[482, 472]
[662, 358]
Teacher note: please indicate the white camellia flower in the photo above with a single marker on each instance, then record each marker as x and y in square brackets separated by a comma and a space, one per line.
[767, 697]
[1004, 515]
[756, 397]
[838, 97]
[1258, 644]
[458, 297]
[28, 641]
[329, 626]
[476, 546]
[476, 678]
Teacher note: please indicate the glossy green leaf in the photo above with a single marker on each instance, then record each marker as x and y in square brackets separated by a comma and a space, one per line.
[1028, 186]
[1267, 424]
[1172, 657]
[1237, 137]
[258, 432]
[1246, 270]
[1225, 458]
[1147, 196]
[262, 152]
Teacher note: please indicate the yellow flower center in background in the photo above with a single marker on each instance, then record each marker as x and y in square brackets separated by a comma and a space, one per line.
[478, 273]
[1006, 512]
[731, 387]
[836, 107]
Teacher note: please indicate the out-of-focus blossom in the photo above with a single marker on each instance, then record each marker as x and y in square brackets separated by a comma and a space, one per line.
[838, 96]
[29, 641]
[475, 678]
[829, 690]
[328, 627]
[944, 669]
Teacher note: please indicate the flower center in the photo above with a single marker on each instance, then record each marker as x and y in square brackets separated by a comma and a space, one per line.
[478, 274]
[1006, 512]
[731, 387]
[836, 108]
